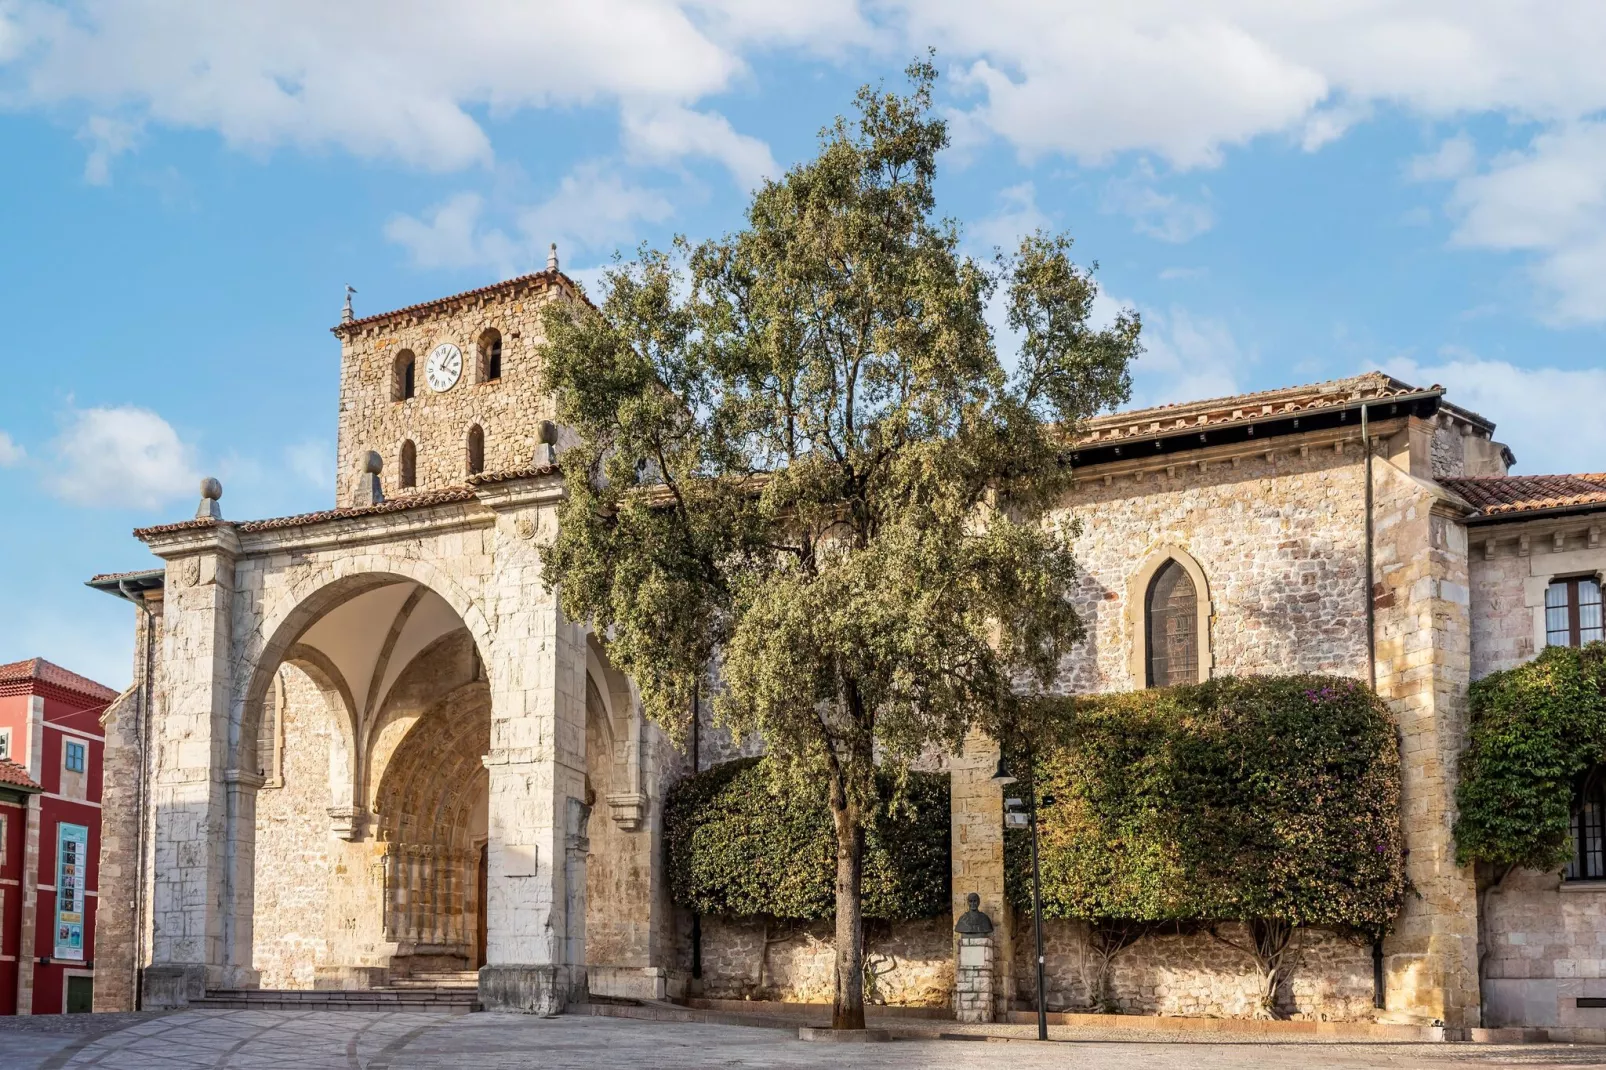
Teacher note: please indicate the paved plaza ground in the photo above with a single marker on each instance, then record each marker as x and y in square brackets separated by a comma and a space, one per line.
[325, 1040]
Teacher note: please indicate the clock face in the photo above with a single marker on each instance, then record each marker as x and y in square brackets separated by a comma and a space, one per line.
[444, 368]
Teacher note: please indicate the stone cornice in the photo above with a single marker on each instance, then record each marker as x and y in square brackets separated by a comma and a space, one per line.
[1304, 444]
[213, 536]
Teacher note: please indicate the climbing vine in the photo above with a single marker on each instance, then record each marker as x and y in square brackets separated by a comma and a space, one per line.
[742, 842]
[1269, 800]
[1535, 731]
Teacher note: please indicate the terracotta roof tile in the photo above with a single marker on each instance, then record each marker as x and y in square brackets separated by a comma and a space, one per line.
[419, 500]
[1240, 408]
[13, 775]
[1493, 495]
[543, 279]
[47, 672]
[113, 577]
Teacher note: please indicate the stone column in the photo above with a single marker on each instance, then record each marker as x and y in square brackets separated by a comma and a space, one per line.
[190, 740]
[239, 906]
[977, 840]
[973, 977]
[1424, 665]
[29, 919]
[534, 955]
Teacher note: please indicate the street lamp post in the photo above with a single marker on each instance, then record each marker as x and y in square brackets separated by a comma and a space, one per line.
[1003, 779]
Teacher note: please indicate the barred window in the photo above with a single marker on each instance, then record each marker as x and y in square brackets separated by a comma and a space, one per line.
[1573, 612]
[1172, 623]
[1589, 809]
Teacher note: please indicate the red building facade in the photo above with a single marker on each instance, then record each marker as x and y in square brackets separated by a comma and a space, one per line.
[52, 744]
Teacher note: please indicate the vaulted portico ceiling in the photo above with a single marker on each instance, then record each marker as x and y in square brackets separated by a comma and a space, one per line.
[369, 639]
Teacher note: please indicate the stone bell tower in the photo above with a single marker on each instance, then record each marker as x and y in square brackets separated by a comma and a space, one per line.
[446, 389]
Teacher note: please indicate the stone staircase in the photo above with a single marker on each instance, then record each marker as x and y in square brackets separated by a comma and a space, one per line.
[412, 994]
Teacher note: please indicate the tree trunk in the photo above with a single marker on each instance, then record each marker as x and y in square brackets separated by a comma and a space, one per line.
[848, 1010]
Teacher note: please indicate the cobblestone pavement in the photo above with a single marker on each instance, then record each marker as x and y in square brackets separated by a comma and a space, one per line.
[360, 1040]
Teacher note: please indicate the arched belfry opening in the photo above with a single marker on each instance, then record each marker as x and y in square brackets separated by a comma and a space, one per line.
[368, 842]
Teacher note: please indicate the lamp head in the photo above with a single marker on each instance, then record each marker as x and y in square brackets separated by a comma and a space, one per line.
[1002, 776]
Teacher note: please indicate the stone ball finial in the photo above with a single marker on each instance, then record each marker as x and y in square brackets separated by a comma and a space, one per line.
[373, 464]
[552, 257]
[211, 491]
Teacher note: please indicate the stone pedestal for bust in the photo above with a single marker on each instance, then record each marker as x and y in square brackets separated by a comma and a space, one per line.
[973, 979]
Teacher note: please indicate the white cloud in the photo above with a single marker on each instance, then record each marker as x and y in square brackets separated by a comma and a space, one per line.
[1549, 202]
[1163, 216]
[121, 457]
[1016, 217]
[1454, 158]
[107, 138]
[10, 452]
[450, 236]
[665, 134]
[314, 462]
[594, 208]
[375, 78]
[1185, 81]
[1187, 357]
[1524, 403]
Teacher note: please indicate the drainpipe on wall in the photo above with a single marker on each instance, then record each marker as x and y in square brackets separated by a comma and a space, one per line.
[1379, 992]
[141, 737]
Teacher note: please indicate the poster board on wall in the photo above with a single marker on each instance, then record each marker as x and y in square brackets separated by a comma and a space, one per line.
[72, 869]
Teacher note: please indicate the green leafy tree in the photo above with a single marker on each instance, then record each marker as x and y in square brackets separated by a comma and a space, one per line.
[800, 454]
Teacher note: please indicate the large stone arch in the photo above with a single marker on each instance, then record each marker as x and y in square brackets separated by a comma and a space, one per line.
[286, 636]
[289, 614]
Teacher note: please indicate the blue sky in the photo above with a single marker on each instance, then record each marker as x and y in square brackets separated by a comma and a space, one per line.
[1285, 194]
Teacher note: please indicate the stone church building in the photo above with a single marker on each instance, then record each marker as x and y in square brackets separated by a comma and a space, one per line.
[363, 745]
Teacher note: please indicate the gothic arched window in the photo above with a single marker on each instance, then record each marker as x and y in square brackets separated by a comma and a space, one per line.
[1589, 828]
[403, 374]
[408, 468]
[476, 450]
[1171, 624]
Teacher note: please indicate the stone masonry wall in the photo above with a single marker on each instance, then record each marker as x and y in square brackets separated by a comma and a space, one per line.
[293, 845]
[1280, 541]
[913, 961]
[1546, 949]
[1544, 945]
[509, 409]
[1193, 974]
[117, 928]
[1511, 565]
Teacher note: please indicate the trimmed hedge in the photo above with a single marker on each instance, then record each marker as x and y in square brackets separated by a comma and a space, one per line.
[1250, 798]
[1536, 729]
[739, 846]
